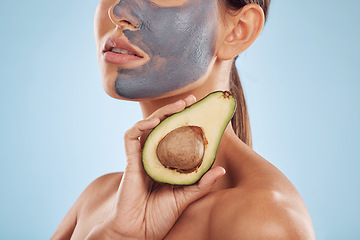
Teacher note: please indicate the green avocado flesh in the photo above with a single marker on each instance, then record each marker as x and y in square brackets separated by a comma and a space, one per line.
[182, 148]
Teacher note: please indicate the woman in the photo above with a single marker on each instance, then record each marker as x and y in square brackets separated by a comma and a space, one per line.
[166, 54]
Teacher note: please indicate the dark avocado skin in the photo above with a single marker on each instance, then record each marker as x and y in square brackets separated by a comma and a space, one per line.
[208, 103]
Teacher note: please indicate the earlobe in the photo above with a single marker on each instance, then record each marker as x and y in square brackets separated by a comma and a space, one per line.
[244, 28]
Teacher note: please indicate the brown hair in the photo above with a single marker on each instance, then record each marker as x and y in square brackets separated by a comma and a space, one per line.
[240, 122]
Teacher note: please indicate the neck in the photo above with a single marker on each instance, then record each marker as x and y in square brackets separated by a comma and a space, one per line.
[223, 160]
[217, 79]
[228, 156]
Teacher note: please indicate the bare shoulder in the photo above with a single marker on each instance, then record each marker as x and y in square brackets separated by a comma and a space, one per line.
[260, 213]
[261, 203]
[92, 196]
[99, 191]
[103, 185]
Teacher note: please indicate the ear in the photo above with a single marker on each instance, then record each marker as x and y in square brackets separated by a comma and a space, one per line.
[240, 30]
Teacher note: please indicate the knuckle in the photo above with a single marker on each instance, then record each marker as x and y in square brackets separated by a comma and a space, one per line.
[126, 134]
[129, 132]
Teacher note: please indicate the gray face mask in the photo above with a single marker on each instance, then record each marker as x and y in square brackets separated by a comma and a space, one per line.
[180, 42]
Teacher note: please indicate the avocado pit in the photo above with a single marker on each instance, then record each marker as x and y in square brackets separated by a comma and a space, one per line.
[182, 149]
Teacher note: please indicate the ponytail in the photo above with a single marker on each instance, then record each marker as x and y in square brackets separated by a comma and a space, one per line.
[240, 122]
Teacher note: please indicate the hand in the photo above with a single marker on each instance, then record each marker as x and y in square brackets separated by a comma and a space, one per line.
[145, 209]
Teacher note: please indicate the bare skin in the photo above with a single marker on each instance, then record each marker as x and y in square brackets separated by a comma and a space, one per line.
[252, 200]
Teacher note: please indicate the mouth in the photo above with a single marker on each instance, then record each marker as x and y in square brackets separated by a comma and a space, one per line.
[120, 52]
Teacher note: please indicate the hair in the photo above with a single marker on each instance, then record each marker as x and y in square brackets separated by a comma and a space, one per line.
[240, 122]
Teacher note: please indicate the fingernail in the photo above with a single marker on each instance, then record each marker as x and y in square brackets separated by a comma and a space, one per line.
[224, 172]
[192, 96]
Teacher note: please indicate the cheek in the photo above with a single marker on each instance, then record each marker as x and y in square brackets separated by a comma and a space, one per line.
[180, 35]
[102, 22]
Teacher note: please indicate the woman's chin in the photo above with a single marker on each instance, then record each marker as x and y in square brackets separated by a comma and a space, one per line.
[192, 88]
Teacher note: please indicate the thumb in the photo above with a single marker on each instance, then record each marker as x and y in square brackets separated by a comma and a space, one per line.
[189, 194]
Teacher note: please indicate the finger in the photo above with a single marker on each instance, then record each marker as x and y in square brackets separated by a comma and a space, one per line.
[134, 181]
[189, 194]
[168, 110]
[172, 108]
[189, 100]
[209, 179]
[131, 137]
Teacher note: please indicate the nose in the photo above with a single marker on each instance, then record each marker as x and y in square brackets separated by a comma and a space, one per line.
[122, 14]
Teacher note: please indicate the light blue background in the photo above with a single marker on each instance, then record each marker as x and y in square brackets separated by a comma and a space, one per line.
[59, 130]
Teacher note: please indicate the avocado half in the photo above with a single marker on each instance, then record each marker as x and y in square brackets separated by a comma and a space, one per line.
[193, 134]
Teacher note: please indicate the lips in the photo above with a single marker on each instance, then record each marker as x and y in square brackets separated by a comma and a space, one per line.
[119, 51]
